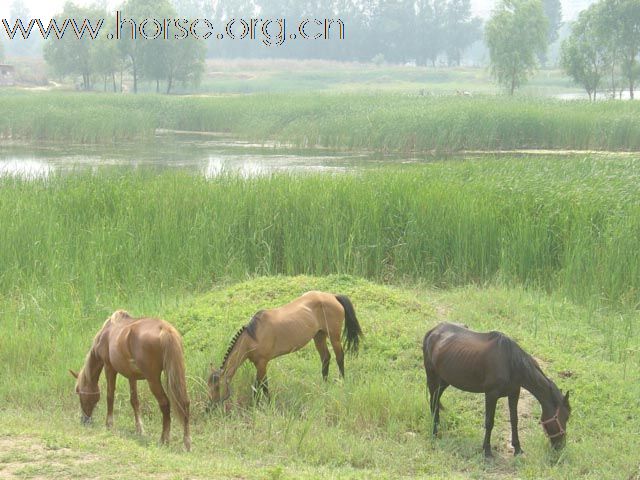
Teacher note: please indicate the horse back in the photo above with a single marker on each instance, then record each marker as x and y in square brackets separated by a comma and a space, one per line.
[467, 360]
[137, 348]
[288, 328]
[314, 310]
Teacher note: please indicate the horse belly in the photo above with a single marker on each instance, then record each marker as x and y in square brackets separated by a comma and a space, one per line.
[124, 364]
[292, 336]
[470, 379]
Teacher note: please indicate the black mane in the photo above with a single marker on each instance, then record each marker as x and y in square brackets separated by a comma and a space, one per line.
[250, 328]
[520, 361]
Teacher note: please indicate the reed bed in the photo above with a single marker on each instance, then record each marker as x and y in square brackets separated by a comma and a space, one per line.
[381, 121]
[569, 225]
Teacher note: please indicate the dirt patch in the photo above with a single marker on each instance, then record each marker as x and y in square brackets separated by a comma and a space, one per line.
[23, 456]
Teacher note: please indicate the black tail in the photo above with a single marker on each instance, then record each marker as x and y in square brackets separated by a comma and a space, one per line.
[352, 331]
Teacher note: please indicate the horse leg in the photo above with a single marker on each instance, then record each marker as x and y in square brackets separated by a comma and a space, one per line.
[163, 401]
[261, 380]
[135, 404]
[321, 345]
[110, 373]
[337, 349]
[490, 401]
[513, 414]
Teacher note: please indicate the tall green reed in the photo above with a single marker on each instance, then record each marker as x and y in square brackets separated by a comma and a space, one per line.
[380, 121]
[568, 225]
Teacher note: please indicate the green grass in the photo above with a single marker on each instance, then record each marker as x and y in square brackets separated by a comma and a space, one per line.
[375, 424]
[569, 225]
[388, 122]
[287, 76]
[543, 249]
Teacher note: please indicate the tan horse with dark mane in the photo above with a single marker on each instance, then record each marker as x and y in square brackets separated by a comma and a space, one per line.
[137, 348]
[278, 331]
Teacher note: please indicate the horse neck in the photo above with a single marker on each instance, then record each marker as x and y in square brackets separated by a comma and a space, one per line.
[92, 368]
[236, 357]
[542, 389]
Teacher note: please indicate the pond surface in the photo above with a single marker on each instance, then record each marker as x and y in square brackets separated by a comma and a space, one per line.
[210, 156]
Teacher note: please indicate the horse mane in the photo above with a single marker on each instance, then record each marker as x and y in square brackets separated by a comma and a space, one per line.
[527, 366]
[253, 324]
[83, 375]
[519, 360]
[249, 328]
[119, 315]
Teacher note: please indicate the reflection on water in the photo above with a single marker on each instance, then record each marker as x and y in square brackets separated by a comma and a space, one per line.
[624, 95]
[25, 168]
[253, 166]
[211, 158]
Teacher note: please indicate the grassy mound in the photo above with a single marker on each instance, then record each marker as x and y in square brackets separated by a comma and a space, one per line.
[377, 419]
[374, 424]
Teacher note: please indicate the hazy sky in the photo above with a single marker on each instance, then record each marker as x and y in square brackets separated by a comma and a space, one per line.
[44, 9]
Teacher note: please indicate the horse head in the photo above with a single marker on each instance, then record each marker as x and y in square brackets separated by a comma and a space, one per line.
[556, 426]
[214, 388]
[88, 395]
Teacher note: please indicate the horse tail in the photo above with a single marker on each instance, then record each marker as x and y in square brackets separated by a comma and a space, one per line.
[426, 352]
[352, 330]
[173, 365]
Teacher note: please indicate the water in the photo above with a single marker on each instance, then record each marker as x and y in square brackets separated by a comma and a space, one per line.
[208, 156]
[212, 156]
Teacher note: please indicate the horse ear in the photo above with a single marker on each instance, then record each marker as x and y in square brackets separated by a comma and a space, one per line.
[566, 398]
[74, 374]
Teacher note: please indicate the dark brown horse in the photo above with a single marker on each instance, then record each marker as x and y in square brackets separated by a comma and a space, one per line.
[493, 364]
[282, 330]
[137, 348]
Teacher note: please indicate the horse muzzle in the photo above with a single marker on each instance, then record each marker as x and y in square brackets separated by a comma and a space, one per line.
[86, 420]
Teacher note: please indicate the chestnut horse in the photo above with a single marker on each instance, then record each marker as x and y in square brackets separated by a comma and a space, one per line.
[282, 330]
[496, 365]
[137, 348]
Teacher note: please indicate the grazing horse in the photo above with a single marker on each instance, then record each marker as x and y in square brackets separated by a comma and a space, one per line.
[137, 348]
[496, 365]
[282, 330]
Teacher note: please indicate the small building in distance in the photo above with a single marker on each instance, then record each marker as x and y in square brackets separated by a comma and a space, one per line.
[7, 75]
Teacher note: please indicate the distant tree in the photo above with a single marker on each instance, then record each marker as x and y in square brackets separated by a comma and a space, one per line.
[619, 31]
[394, 23]
[185, 62]
[608, 33]
[460, 29]
[132, 50]
[629, 32]
[105, 56]
[70, 55]
[429, 35]
[515, 34]
[584, 56]
[179, 57]
[553, 11]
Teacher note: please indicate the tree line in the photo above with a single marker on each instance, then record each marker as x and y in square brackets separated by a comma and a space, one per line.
[396, 31]
[161, 61]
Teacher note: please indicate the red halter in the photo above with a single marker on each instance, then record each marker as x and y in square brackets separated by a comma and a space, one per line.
[544, 423]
